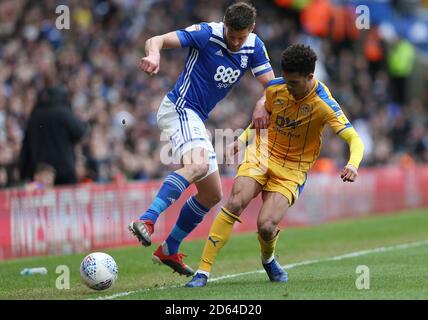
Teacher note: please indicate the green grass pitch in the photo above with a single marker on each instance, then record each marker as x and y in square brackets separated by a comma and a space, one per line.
[393, 247]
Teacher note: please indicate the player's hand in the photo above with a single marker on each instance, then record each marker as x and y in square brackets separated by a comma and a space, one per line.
[150, 64]
[260, 117]
[349, 173]
[231, 150]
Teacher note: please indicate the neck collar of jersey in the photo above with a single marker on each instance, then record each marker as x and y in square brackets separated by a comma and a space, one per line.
[310, 93]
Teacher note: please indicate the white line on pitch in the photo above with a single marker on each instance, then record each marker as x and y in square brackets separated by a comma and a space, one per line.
[287, 266]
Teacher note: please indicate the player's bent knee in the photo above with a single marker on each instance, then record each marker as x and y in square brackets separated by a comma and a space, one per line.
[234, 205]
[211, 199]
[267, 229]
[216, 198]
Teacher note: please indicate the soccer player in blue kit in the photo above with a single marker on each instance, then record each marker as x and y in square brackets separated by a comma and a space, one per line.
[219, 55]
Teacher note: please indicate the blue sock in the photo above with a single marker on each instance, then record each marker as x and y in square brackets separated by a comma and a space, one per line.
[172, 188]
[190, 216]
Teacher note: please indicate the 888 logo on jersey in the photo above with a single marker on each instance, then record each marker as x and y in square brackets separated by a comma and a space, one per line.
[227, 76]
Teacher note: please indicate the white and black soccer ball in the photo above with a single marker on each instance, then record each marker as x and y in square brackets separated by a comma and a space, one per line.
[98, 271]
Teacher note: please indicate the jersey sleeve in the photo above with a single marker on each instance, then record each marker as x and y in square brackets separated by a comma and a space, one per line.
[268, 102]
[356, 146]
[260, 62]
[331, 111]
[335, 117]
[196, 36]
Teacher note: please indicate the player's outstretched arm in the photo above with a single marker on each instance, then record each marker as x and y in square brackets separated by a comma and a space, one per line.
[151, 62]
[356, 150]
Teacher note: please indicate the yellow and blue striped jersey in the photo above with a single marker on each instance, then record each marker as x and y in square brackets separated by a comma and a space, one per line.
[295, 128]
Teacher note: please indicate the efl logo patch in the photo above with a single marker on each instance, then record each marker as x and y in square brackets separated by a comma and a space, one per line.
[343, 119]
[195, 27]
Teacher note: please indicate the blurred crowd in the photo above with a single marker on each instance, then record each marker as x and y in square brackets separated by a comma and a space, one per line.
[97, 58]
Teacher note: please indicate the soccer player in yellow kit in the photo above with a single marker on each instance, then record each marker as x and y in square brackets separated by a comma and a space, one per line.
[276, 165]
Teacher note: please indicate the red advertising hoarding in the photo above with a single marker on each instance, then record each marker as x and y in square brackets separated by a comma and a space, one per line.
[90, 217]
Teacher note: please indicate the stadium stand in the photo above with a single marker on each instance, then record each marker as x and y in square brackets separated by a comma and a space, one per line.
[97, 61]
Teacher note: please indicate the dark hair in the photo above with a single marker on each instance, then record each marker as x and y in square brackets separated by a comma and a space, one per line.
[298, 58]
[42, 166]
[240, 16]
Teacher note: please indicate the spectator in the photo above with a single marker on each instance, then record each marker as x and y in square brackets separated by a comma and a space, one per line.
[44, 177]
[3, 177]
[50, 136]
[96, 61]
[401, 58]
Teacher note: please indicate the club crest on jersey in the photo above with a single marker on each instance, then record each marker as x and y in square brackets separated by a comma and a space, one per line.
[244, 61]
[305, 109]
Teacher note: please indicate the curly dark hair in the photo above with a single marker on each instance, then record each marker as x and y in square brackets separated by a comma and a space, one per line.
[298, 58]
[240, 16]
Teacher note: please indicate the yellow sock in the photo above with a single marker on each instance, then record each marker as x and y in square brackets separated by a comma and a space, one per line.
[220, 232]
[267, 248]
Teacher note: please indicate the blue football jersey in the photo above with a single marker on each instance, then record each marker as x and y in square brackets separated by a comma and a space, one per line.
[211, 69]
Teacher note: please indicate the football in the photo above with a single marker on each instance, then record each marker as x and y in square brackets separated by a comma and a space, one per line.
[98, 271]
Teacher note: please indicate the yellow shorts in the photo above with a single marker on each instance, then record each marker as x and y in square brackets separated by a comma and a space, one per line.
[275, 178]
